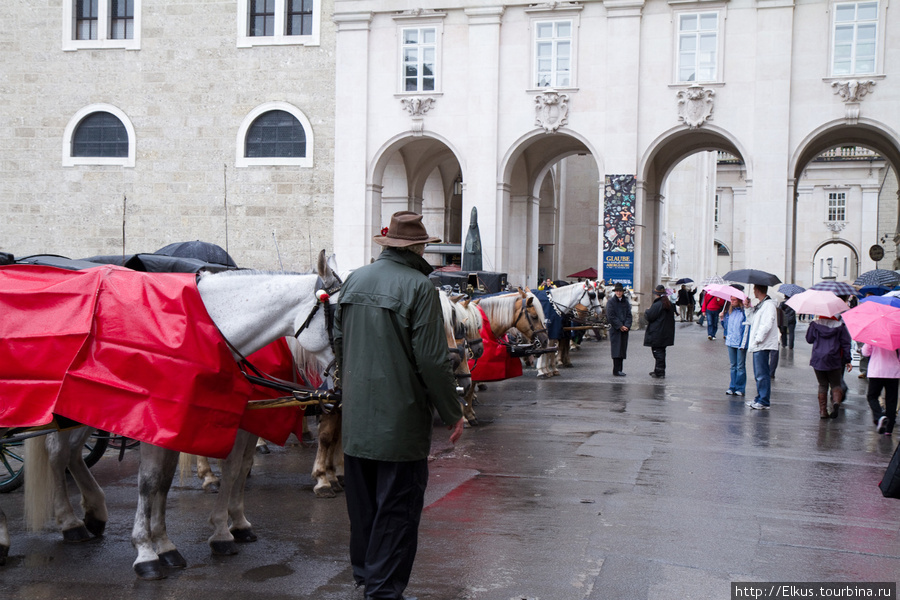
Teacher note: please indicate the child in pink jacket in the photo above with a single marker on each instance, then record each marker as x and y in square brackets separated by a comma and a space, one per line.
[883, 373]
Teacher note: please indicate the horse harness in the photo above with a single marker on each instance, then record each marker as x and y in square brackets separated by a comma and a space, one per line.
[574, 313]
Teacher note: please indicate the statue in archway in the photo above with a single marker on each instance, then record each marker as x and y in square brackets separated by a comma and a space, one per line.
[664, 255]
[471, 260]
[673, 258]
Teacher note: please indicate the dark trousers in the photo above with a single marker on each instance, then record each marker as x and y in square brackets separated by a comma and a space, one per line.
[890, 386]
[787, 335]
[384, 503]
[659, 354]
[617, 365]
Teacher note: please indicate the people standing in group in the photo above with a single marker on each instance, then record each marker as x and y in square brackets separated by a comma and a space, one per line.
[660, 332]
[830, 355]
[883, 374]
[736, 329]
[684, 302]
[712, 306]
[618, 313]
[395, 371]
[762, 342]
[788, 324]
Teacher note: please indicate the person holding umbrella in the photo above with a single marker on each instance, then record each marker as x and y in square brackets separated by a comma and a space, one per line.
[735, 326]
[830, 341]
[660, 332]
[762, 343]
[883, 374]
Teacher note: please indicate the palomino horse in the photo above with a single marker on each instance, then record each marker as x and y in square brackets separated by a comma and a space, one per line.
[516, 310]
[562, 304]
[459, 328]
[251, 309]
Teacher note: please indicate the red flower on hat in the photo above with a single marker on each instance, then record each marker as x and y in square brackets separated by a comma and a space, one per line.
[384, 231]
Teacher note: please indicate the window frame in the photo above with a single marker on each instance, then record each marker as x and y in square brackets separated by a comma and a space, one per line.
[280, 38]
[720, 43]
[433, 20]
[538, 14]
[419, 46]
[242, 161]
[104, 25]
[68, 135]
[840, 208]
[879, 39]
[554, 20]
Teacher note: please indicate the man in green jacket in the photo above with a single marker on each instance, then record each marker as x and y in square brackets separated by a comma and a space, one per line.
[394, 369]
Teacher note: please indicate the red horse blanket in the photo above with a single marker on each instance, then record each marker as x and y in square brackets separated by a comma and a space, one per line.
[496, 363]
[129, 352]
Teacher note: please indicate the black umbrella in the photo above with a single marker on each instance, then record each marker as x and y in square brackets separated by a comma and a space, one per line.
[205, 251]
[751, 276]
[684, 280]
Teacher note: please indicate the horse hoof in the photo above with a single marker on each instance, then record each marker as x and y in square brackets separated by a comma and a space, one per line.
[324, 491]
[223, 548]
[149, 570]
[76, 534]
[473, 422]
[94, 525]
[211, 488]
[4, 552]
[481, 387]
[173, 559]
[340, 479]
[244, 536]
[263, 449]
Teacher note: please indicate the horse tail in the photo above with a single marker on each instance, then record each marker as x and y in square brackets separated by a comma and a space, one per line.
[38, 483]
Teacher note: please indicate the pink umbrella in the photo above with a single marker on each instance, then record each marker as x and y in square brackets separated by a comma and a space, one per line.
[875, 324]
[817, 302]
[726, 292]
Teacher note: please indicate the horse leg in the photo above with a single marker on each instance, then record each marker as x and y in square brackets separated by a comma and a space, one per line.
[93, 500]
[564, 358]
[262, 447]
[46, 461]
[4, 538]
[323, 467]
[149, 537]
[208, 479]
[469, 406]
[230, 501]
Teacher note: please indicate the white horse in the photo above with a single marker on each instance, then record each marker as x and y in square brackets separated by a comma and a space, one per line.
[567, 302]
[251, 309]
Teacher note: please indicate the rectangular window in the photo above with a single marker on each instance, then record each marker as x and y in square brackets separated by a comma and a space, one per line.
[846, 265]
[278, 22]
[419, 53]
[101, 24]
[855, 38]
[698, 47]
[553, 53]
[716, 216]
[299, 17]
[121, 25]
[837, 206]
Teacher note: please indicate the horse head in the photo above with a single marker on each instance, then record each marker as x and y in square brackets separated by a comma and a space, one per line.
[530, 318]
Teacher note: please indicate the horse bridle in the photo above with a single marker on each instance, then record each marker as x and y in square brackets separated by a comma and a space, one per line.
[572, 312]
[523, 311]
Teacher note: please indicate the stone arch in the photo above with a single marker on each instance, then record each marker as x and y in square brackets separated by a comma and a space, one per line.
[659, 159]
[864, 132]
[533, 166]
[854, 255]
[416, 172]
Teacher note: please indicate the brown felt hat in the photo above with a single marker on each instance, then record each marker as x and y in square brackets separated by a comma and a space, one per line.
[406, 229]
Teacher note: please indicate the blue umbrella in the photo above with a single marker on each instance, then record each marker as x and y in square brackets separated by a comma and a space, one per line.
[875, 290]
[878, 277]
[886, 300]
[790, 289]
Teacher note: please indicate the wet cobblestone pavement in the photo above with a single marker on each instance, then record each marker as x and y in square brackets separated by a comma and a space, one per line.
[581, 487]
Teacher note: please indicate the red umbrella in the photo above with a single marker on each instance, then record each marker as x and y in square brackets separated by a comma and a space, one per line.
[875, 324]
[589, 273]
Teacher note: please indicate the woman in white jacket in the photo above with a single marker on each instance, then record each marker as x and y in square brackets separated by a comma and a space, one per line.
[764, 337]
[883, 373]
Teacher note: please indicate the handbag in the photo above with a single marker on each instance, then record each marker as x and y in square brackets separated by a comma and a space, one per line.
[890, 483]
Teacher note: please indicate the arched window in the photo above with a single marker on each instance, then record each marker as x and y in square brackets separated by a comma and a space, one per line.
[100, 134]
[276, 134]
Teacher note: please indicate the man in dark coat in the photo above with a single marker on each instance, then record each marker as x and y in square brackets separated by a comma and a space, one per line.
[618, 313]
[395, 371]
[660, 331]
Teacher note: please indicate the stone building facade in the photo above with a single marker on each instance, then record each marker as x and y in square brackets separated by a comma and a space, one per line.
[184, 82]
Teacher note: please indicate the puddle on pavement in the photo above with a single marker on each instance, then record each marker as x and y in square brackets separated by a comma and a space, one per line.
[267, 572]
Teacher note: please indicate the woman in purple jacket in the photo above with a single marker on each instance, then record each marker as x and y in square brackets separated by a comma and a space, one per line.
[830, 354]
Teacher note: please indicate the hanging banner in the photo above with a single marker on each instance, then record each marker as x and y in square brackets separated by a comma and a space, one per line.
[618, 230]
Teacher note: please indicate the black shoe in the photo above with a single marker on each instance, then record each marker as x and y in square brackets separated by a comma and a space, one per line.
[657, 375]
[618, 373]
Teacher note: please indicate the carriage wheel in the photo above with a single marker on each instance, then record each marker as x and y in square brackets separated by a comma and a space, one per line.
[95, 446]
[12, 466]
[117, 442]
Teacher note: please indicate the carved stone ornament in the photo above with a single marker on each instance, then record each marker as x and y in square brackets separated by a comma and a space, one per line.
[835, 226]
[695, 106]
[551, 110]
[417, 106]
[852, 90]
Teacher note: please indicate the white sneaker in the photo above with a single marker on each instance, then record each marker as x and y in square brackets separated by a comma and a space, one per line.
[758, 406]
[882, 425]
[729, 393]
[750, 403]
[739, 393]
